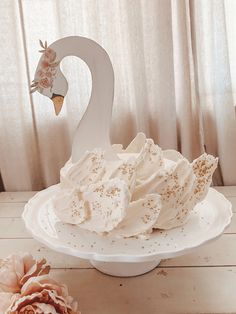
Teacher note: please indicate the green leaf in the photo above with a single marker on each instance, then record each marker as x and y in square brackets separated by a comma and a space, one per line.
[41, 43]
[33, 90]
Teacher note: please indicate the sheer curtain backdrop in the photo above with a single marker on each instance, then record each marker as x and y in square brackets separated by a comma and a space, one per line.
[175, 80]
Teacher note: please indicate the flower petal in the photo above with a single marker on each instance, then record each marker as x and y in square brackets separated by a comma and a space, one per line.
[11, 271]
[40, 283]
[6, 299]
[37, 269]
[43, 295]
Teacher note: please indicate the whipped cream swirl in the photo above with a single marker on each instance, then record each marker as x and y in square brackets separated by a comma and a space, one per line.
[145, 189]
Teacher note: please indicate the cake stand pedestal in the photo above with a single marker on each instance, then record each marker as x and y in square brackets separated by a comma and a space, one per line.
[119, 269]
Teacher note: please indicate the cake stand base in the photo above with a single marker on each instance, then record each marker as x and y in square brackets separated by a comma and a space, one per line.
[119, 269]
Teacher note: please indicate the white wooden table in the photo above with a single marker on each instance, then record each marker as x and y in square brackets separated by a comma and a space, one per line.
[201, 282]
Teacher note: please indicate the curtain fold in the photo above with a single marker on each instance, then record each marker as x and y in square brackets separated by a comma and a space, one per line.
[189, 115]
[215, 85]
[175, 80]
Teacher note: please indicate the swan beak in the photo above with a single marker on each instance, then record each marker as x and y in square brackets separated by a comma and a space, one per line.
[58, 102]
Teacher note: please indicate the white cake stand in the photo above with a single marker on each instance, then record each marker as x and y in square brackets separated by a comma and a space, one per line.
[126, 257]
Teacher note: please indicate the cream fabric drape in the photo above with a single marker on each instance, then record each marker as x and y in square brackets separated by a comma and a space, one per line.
[175, 80]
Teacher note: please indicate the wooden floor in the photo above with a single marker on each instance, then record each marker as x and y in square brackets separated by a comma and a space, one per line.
[201, 282]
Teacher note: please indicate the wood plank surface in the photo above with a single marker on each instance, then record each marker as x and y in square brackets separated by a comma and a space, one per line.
[13, 228]
[167, 290]
[226, 190]
[11, 209]
[16, 197]
[38, 250]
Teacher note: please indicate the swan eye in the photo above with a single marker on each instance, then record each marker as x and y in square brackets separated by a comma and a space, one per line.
[58, 102]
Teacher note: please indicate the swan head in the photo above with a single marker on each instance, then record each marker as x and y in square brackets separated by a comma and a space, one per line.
[49, 80]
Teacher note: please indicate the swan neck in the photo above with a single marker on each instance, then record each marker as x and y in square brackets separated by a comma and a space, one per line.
[94, 128]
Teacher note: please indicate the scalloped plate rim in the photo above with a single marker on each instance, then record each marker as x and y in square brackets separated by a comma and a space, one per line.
[123, 257]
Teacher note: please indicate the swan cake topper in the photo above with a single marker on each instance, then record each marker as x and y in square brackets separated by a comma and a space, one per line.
[105, 188]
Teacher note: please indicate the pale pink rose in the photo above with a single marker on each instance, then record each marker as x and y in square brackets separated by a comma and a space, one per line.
[48, 74]
[50, 55]
[40, 73]
[15, 270]
[43, 295]
[6, 299]
[45, 82]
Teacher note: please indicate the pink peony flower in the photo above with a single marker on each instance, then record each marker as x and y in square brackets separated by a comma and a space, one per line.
[15, 270]
[41, 295]
[50, 55]
[6, 299]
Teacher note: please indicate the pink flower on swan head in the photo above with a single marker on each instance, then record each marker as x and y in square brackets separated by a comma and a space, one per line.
[45, 82]
[45, 64]
[41, 295]
[40, 73]
[15, 270]
[48, 74]
[50, 55]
